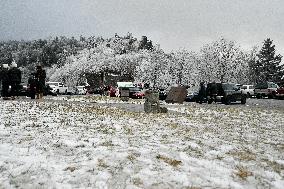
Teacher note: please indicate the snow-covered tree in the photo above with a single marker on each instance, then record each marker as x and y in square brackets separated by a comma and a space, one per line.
[116, 55]
[223, 61]
[184, 68]
[152, 69]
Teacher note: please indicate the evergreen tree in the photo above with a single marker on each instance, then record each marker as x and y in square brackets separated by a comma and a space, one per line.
[268, 66]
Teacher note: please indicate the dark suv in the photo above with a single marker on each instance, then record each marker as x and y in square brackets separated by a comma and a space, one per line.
[226, 93]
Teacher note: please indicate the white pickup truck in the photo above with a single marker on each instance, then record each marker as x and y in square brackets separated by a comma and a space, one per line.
[57, 87]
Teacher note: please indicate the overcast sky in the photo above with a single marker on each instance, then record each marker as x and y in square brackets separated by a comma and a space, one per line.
[173, 24]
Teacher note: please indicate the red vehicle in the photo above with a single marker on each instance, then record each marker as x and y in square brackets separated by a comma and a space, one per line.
[138, 95]
[135, 92]
[112, 91]
[280, 92]
[266, 89]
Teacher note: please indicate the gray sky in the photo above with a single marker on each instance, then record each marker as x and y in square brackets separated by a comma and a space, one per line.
[173, 24]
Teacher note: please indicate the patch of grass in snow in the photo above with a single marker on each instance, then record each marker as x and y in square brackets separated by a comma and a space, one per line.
[80, 146]
[278, 168]
[245, 155]
[104, 99]
[105, 129]
[137, 181]
[243, 172]
[173, 125]
[281, 146]
[194, 152]
[26, 139]
[132, 156]
[70, 168]
[170, 161]
[107, 143]
[101, 163]
[128, 130]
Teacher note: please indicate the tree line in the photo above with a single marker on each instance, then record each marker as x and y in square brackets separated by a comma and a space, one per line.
[72, 60]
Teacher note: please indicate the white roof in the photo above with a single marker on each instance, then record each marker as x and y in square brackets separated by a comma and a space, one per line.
[125, 84]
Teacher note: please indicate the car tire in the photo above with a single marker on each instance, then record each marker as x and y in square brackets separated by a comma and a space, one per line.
[274, 94]
[258, 96]
[210, 101]
[243, 100]
[248, 95]
[228, 101]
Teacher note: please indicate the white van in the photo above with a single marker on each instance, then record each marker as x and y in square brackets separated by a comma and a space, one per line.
[247, 90]
[81, 90]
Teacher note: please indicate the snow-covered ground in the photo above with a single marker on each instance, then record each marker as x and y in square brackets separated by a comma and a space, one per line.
[85, 142]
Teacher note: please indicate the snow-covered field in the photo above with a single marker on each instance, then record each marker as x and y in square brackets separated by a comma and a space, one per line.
[81, 142]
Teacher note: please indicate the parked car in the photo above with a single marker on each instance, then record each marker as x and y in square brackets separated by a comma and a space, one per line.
[48, 91]
[192, 94]
[280, 93]
[57, 87]
[239, 85]
[94, 90]
[192, 97]
[247, 90]
[23, 90]
[135, 92]
[112, 91]
[139, 94]
[163, 93]
[266, 89]
[81, 90]
[226, 93]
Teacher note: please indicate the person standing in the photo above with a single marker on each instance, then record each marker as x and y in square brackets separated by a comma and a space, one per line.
[32, 85]
[1, 68]
[15, 77]
[5, 81]
[40, 76]
[117, 93]
[201, 93]
[214, 91]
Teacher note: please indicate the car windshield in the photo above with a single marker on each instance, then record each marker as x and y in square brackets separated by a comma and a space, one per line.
[227, 86]
[193, 89]
[134, 89]
[51, 83]
[272, 85]
[261, 86]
